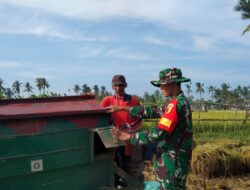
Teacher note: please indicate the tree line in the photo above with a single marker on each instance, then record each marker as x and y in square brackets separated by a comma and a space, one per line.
[224, 94]
[21, 90]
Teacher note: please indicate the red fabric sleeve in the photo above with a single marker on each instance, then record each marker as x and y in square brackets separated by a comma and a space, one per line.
[135, 101]
[105, 101]
[169, 118]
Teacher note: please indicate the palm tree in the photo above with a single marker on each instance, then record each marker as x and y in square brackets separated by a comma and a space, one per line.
[16, 87]
[244, 7]
[39, 84]
[42, 84]
[225, 93]
[96, 90]
[189, 90]
[86, 89]
[1, 85]
[8, 93]
[46, 84]
[211, 90]
[28, 88]
[199, 88]
[103, 91]
[77, 89]
[246, 94]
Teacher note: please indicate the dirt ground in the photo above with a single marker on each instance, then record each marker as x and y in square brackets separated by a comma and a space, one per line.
[241, 182]
[194, 182]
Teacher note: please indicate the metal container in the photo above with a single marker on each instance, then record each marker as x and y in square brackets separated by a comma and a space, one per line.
[55, 143]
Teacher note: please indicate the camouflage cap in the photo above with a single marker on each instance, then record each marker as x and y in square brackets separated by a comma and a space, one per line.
[118, 79]
[169, 75]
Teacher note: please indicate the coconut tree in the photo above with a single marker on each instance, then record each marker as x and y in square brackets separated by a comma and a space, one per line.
[211, 89]
[1, 85]
[86, 89]
[16, 87]
[103, 90]
[77, 89]
[246, 94]
[225, 93]
[237, 95]
[8, 93]
[96, 90]
[244, 7]
[42, 84]
[39, 84]
[45, 83]
[28, 88]
[200, 90]
[189, 90]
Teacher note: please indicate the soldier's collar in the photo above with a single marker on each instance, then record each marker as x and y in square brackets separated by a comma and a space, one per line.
[180, 94]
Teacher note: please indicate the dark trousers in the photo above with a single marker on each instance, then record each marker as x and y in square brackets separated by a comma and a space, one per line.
[121, 159]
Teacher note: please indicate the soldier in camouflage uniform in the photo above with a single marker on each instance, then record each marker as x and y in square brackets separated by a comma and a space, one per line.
[173, 132]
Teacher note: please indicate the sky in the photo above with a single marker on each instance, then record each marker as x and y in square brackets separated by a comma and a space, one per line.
[89, 41]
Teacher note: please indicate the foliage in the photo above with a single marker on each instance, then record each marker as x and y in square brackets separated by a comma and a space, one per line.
[155, 99]
[42, 84]
[16, 87]
[77, 89]
[239, 96]
[244, 7]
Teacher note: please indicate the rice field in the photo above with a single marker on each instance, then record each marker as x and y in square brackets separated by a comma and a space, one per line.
[216, 125]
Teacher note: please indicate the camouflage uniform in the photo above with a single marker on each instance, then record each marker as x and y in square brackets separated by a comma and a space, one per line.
[174, 137]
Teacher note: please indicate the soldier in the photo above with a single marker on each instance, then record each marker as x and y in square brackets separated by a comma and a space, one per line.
[173, 132]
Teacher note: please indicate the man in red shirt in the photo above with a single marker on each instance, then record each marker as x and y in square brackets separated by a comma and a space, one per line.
[122, 120]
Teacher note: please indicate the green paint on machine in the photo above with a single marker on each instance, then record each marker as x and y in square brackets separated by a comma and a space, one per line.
[55, 151]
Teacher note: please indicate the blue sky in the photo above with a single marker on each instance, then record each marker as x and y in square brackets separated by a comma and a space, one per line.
[88, 41]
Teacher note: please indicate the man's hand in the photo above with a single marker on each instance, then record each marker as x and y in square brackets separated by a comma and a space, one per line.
[112, 108]
[120, 134]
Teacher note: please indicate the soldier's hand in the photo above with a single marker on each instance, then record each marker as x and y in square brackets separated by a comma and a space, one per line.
[120, 134]
[112, 108]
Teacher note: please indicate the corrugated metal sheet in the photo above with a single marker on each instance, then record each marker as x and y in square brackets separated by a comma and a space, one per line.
[46, 107]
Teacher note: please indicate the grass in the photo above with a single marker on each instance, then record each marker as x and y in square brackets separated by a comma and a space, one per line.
[221, 114]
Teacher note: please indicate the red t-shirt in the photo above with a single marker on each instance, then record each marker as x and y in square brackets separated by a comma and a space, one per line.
[121, 117]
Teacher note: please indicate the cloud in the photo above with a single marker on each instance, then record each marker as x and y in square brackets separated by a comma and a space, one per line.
[156, 41]
[96, 51]
[98, 10]
[120, 53]
[219, 20]
[216, 75]
[202, 42]
[10, 64]
[39, 24]
[88, 51]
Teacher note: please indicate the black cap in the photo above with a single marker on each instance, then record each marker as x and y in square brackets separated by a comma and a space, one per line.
[118, 79]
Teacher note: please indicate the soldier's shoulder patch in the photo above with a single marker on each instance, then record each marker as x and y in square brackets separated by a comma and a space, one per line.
[169, 118]
[173, 103]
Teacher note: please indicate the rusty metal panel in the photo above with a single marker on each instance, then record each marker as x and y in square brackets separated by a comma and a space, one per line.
[108, 140]
[46, 107]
